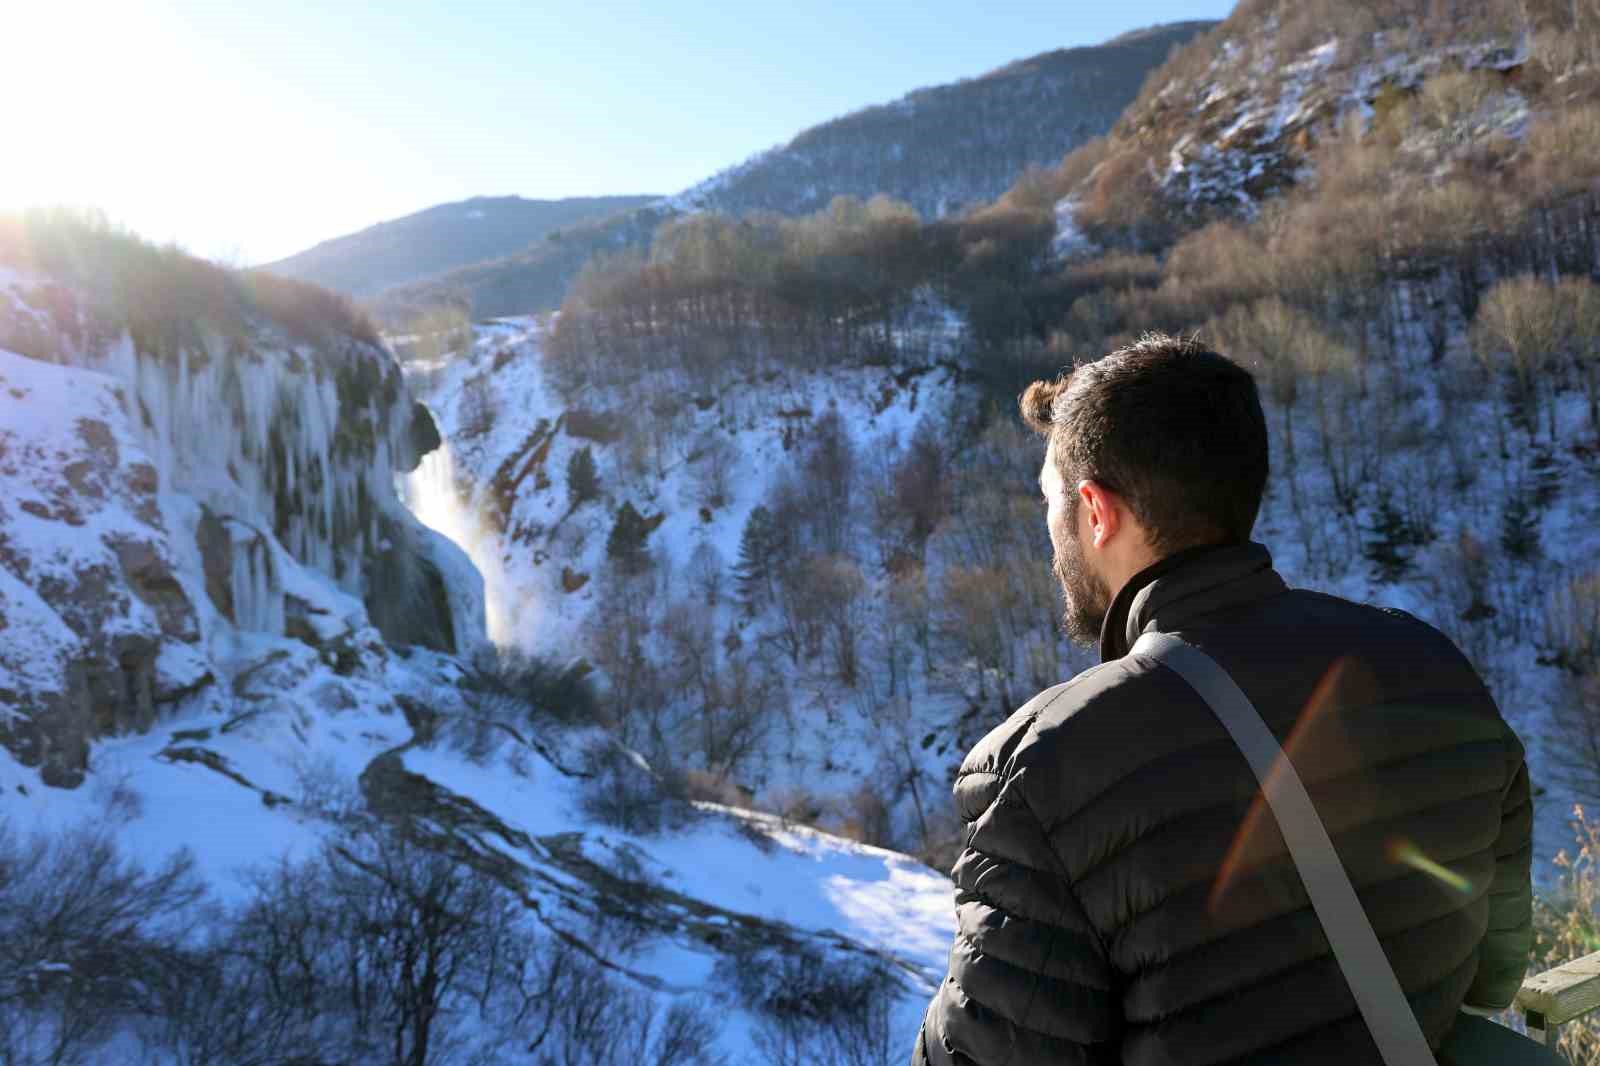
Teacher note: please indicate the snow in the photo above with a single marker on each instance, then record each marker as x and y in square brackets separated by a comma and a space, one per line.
[39, 645]
[701, 195]
[834, 889]
[66, 461]
[807, 879]
[1249, 109]
[1070, 241]
[263, 748]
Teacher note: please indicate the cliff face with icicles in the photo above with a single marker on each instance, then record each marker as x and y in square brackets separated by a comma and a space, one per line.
[181, 494]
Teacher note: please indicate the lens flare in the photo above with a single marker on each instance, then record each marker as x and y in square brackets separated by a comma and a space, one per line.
[1406, 853]
[1321, 701]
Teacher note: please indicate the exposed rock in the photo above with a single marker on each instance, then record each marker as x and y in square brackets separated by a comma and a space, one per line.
[423, 589]
[409, 602]
[216, 555]
[424, 436]
[151, 473]
[93, 609]
[149, 570]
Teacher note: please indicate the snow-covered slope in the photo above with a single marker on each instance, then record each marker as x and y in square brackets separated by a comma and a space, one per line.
[1242, 113]
[278, 781]
[553, 589]
[161, 502]
[195, 546]
[503, 492]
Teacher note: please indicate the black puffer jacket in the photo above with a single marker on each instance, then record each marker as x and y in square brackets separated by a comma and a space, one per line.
[1122, 896]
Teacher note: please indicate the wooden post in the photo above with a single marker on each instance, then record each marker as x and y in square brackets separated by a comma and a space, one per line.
[1551, 999]
[1542, 1029]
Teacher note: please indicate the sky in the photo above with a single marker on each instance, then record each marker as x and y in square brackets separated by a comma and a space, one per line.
[249, 131]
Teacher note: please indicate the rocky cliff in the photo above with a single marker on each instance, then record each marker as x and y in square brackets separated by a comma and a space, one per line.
[190, 460]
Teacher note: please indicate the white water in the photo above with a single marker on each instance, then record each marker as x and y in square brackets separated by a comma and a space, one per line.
[434, 497]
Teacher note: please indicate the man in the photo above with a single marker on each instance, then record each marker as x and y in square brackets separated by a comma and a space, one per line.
[1124, 895]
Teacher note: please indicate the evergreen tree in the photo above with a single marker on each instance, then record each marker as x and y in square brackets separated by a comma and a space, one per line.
[1389, 539]
[753, 571]
[626, 544]
[1519, 526]
[583, 480]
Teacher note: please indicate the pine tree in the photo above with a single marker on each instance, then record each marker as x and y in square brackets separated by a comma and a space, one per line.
[626, 544]
[583, 480]
[1390, 537]
[753, 571]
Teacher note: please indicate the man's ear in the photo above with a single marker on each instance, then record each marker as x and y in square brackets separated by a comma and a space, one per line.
[1103, 509]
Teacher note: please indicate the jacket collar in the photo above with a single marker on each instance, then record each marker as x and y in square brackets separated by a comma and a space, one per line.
[1184, 586]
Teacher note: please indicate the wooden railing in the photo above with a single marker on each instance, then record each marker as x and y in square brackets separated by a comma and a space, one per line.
[1550, 999]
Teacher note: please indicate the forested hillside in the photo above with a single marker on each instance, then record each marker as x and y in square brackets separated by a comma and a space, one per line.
[939, 150]
[949, 147]
[443, 238]
[1415, 291]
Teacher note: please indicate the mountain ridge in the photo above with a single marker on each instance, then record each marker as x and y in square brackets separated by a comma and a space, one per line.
[940, 148]
[442, 237]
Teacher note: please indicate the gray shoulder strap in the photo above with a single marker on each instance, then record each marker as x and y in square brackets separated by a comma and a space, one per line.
[1372, 981]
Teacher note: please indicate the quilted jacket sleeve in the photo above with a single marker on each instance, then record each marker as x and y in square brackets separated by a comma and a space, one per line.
[1506, 944]
[1029, 980]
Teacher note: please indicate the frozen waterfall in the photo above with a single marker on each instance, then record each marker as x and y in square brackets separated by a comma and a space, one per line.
[435, 498]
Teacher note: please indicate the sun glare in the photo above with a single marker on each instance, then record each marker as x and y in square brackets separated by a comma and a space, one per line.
[126, 108]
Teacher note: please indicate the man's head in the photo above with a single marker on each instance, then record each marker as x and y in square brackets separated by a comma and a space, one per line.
[1158, 447]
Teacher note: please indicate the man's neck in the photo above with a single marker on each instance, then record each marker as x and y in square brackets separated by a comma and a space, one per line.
[1120, 571]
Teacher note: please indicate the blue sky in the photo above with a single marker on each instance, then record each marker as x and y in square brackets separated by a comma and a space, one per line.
[249, 131]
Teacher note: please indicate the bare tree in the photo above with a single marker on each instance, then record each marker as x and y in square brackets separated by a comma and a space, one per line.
[715, 459]
[1572, 637]
[86, 935]
[1521, 330]
[839, 595]
[706, 573]
[828, 481]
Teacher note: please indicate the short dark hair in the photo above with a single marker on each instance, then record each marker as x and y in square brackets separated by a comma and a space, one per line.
[1172, 427]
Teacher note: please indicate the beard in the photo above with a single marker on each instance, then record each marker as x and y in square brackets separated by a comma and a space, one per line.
[1086, 593]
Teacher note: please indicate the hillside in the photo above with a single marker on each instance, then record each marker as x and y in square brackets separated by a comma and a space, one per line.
[1260, 104]
[534, 278]
[949, 147]
[246, 699]
[1411, 280]
[939, 149]
[442, 238]
[910, 606]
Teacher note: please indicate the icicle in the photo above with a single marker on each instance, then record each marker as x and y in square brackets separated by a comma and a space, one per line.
[257, 595]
